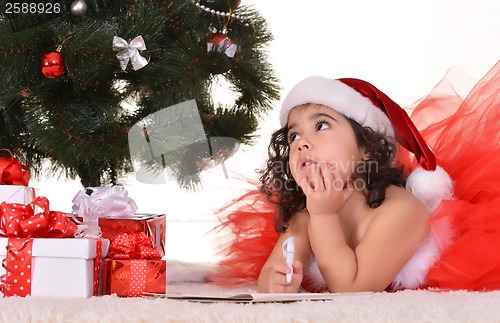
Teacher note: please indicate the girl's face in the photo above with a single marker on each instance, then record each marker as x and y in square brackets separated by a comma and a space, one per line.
[320, 135]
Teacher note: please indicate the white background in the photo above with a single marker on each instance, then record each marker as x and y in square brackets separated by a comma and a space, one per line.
[403, 47]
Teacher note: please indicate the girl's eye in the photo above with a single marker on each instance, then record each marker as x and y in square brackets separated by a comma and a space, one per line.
[292, 137]
[322, 125]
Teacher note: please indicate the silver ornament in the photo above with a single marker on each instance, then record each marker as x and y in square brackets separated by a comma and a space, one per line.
[78, 8]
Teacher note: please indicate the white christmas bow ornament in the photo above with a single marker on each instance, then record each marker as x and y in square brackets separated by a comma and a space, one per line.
[130, 52]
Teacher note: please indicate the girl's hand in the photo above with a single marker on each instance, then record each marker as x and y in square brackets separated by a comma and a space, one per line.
[277, 278]
[325, 189]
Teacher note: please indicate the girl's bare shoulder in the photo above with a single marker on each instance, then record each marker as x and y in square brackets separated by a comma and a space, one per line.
[399, 201]
[397, 193]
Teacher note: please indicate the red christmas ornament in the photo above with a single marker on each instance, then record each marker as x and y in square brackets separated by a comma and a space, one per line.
[221, 42]
[52, 64]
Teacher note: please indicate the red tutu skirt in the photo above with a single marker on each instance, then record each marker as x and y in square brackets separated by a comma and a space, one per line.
[464, 134]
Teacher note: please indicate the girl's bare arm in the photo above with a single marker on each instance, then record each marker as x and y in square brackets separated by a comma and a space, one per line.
[270, 279]
[390, 241]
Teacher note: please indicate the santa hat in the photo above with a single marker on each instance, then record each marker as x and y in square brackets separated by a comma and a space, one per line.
[370, 107]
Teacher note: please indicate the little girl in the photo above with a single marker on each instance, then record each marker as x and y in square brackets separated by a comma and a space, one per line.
[334, 182]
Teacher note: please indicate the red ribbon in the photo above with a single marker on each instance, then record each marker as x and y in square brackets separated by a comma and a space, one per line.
[12, 172]
[19, 220]
[97, 266]
[133, 246]
[20, 224]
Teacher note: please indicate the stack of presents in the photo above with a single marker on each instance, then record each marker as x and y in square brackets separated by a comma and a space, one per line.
[102, 247]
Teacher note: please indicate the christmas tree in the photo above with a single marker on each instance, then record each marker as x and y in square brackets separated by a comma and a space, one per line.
[76, 76]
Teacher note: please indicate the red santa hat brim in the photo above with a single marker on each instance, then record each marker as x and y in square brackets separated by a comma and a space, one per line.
[341, 97]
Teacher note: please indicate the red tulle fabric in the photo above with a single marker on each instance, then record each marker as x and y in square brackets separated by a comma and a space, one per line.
[466, 142]
[249, 220]
[464, 134]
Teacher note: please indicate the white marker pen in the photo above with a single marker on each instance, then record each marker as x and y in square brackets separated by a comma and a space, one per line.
[288, 252]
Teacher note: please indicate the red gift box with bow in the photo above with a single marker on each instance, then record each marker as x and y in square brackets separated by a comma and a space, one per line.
[134, 266]
[14, 179]
[39, 260]
[115, 213]
[153, 225]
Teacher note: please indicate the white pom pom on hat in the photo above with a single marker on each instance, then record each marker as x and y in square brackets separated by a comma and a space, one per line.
[370, 107]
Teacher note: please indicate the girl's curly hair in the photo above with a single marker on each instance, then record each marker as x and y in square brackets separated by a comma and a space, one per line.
[377, 173]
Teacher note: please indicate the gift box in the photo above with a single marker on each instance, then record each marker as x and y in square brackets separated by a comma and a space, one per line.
[41, 257]
[134, 266]
[153, 225]
[130, 278]
[17, 194]
[60, 267]
[114, 212]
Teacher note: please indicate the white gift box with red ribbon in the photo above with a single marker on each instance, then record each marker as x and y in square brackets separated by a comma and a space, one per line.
[61, 267]
[17, 194]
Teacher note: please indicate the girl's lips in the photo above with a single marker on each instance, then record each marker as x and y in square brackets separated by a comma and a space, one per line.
[306, 162]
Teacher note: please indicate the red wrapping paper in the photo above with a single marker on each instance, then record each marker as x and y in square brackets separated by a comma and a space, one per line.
[130, 278]
[134, 267]
[152, 225]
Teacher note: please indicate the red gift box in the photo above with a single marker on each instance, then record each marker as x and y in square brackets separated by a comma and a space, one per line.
[134, 266]
[153, 225]
[111, 211]
[129, 278]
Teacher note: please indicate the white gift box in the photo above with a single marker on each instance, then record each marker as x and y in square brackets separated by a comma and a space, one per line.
[17, 194]
[62, 267]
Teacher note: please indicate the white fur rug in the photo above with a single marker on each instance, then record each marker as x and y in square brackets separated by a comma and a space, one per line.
[404, 306]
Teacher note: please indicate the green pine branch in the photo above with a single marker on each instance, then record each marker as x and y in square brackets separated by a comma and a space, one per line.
[80, 120]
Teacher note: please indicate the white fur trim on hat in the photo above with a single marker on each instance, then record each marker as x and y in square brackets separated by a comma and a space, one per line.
[340, 97]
